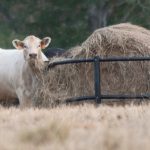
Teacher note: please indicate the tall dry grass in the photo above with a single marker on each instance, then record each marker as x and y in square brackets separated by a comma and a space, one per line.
[76, 127]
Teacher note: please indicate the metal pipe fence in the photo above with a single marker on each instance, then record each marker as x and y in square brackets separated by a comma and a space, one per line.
[98, 96]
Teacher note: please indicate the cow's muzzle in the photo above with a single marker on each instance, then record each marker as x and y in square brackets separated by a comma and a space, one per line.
[33, 56]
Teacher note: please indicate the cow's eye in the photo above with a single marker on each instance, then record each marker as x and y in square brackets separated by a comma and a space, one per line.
[39, 46]
[24, 46]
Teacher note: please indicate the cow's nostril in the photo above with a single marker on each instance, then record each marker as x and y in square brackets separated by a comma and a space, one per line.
[33, 55]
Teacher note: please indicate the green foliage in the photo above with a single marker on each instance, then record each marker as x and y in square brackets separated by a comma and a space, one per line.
[134, 11]
[66, 22]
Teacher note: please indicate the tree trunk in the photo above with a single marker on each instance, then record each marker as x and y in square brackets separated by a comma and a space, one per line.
[99, 14]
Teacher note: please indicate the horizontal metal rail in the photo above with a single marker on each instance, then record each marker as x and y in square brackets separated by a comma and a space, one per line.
[70, 61]
[78, 99]
[88, 98]
[142, 96]
[111, 59]
[108, 59]
[97, 61]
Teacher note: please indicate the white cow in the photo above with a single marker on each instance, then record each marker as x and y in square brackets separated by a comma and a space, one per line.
[19, 69]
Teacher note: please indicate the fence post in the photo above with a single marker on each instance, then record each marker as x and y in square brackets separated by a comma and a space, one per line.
[97, 79]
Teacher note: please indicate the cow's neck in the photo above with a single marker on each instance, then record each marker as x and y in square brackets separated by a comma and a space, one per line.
[32, 73]
[30, 79]
[35, 67]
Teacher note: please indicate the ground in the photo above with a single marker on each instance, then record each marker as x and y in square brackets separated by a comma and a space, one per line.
[83, 127]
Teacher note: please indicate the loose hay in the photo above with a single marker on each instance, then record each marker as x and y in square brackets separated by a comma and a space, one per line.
[126, 39]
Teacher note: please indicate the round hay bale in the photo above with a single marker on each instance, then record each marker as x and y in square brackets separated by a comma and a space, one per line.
[65, 81]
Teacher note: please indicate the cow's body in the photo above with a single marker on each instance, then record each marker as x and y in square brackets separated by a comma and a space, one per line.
[17, 79]
[11, 64]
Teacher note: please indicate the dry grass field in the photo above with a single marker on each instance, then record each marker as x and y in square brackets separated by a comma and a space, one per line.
[84, 127]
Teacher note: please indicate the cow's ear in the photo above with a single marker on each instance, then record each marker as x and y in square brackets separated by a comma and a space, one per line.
[45, 42]
[18, 44]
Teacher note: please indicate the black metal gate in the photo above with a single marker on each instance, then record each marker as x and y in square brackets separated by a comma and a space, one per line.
[98, 96]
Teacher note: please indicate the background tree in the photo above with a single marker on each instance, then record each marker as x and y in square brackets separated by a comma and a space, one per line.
[68, 22]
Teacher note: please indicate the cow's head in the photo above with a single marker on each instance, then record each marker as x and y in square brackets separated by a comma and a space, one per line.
[32, 47]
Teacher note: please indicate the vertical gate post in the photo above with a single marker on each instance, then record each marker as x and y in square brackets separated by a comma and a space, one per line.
[97, 79]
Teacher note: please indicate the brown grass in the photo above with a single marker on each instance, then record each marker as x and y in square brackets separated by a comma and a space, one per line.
[117, 77]
[71, 128]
